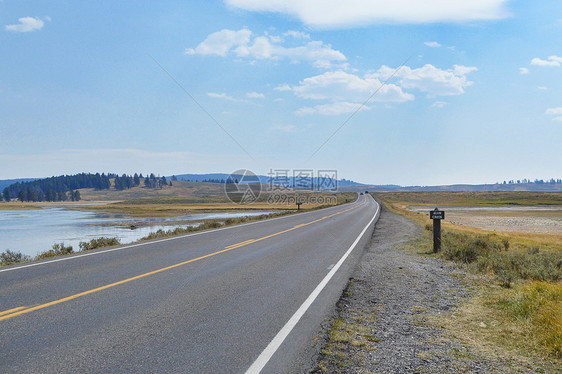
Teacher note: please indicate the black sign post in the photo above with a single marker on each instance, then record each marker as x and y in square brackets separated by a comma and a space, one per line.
[436, 215]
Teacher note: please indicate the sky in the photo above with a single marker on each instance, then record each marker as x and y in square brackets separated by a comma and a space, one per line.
[381, 91]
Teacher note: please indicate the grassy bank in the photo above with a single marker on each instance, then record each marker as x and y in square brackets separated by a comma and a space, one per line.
[517, 304]
[9, 257]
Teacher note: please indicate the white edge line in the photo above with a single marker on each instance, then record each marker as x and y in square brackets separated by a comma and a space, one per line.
[164, 240]
[272, 347]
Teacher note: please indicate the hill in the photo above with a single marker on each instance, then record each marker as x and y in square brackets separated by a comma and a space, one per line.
[6, 182]
[221, 177]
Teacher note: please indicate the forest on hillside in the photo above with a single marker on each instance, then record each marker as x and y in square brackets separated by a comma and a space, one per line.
[65, 187]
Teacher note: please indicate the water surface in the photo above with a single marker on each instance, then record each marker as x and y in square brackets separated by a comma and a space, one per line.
[34, 231]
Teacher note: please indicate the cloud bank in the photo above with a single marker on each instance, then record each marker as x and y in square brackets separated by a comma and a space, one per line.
[26, 24]
[346, 92]
[337, 13]
[243, 44]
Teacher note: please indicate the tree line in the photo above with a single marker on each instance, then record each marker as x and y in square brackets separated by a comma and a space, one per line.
[151, 181]
[61, 188]
[536, 181]
[65, 187]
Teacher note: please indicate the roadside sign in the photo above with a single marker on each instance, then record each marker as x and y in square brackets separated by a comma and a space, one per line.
[437, 214]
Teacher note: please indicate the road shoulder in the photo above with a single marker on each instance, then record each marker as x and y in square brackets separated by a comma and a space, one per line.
[382, 321]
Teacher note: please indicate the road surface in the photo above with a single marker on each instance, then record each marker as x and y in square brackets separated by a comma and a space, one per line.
[241, 299]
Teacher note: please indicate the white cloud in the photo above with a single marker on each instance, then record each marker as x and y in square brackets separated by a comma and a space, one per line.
[551, 61]
[463, 70]
[241, 44]
[337, 13]
[523, 71]
[315, 51]
[342, 86]
[297, 34]
[439, 104]
[284, 128]
[554, 111]
[333, 109]
[27, 24]
[284, 87]
[432, 44]
[542, 88]
[255, 95]
[221, 96]
[429, 79]
[221, 42]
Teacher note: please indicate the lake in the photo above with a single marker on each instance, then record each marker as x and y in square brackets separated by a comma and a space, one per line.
[34, 231]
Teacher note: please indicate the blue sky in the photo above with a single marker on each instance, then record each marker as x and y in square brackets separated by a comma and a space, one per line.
[464, 92]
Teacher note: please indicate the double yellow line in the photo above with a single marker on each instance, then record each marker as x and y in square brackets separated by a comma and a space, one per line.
[14, 312]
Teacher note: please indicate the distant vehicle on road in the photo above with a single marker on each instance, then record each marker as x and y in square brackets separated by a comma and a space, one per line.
[361, 193]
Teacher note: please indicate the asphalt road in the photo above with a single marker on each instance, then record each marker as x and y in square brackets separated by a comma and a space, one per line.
[233, 300]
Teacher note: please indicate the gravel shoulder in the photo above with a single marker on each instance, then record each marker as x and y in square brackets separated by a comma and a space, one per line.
[383, 322]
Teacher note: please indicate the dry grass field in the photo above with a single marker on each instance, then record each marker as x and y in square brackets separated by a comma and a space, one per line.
[183, 198]
[526, 218]
[512, 259]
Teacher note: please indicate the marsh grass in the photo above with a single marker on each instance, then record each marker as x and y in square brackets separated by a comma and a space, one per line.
[9, 257]
[210, 224]
[56, 250]
[98, 243]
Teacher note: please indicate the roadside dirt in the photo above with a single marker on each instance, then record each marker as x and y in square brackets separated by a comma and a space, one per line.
[382, 320]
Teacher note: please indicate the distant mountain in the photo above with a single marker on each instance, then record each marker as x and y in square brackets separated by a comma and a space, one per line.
[199, 177]
[539, 187]
[221, 177]
[6, 182]
[545, 187]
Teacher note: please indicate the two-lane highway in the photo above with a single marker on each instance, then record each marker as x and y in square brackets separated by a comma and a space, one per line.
[246, 298]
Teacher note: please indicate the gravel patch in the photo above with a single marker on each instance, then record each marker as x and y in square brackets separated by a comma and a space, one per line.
[381, 323]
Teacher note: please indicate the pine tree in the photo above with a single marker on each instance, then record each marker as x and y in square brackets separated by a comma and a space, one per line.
[6, 194]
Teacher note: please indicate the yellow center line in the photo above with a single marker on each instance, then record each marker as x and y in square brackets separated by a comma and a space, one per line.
[12, 310]
[240, 244]
[7, 314]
